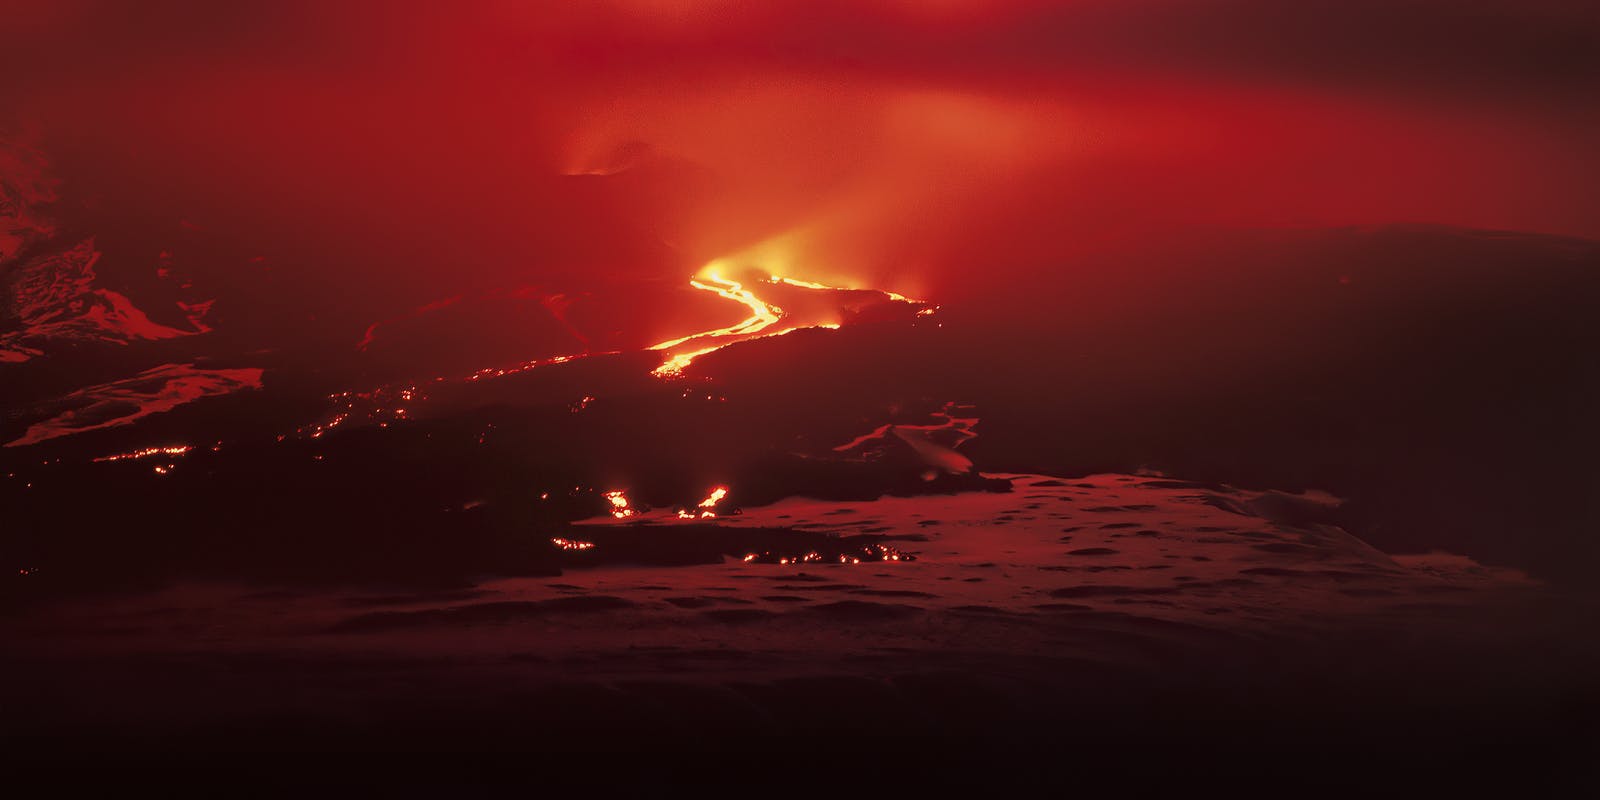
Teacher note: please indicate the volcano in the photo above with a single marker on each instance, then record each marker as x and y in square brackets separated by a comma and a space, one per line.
[876, 392]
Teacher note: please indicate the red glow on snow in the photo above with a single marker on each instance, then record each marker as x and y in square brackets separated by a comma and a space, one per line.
[935, 442]
[872, 553]
[122, 402]
[58, 298]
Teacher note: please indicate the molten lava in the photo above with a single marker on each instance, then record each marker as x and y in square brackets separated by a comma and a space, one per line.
[620, 508]
[175, 450]
[715, 497]
[817, 305]
[872, 553]
[707, 508]
[763, 316]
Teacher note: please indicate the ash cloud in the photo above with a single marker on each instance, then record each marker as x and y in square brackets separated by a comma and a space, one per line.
[886, 143]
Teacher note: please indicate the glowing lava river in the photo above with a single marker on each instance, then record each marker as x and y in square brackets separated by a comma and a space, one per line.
[806, 305]
[764, 317]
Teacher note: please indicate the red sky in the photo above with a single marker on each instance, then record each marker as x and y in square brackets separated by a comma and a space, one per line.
[896, 143]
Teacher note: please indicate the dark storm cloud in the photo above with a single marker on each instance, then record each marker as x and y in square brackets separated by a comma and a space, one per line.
[1539, 47]
[1470, 47]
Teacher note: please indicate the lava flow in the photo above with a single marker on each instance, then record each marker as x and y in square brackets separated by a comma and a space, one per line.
[707, 508]
[175, 450]
[807, 305]
[764, 315]
[620, 507]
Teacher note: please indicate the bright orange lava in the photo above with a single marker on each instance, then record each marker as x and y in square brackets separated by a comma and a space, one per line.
[619, 505]
[763, 317]
[715, 497]
[708, 506]
[391, 404]
[176, 450]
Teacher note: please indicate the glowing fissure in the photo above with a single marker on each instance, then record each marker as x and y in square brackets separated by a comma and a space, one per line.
[175, 450]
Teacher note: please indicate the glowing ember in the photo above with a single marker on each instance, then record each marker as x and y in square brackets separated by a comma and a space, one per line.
[175, 450]
[572, 544]
[895, 296]
[370, 406]
[799, 283]
[874, 553]
[673, 367]
[619, 505]
[716, 497]
[706, 509]
[527, 365]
